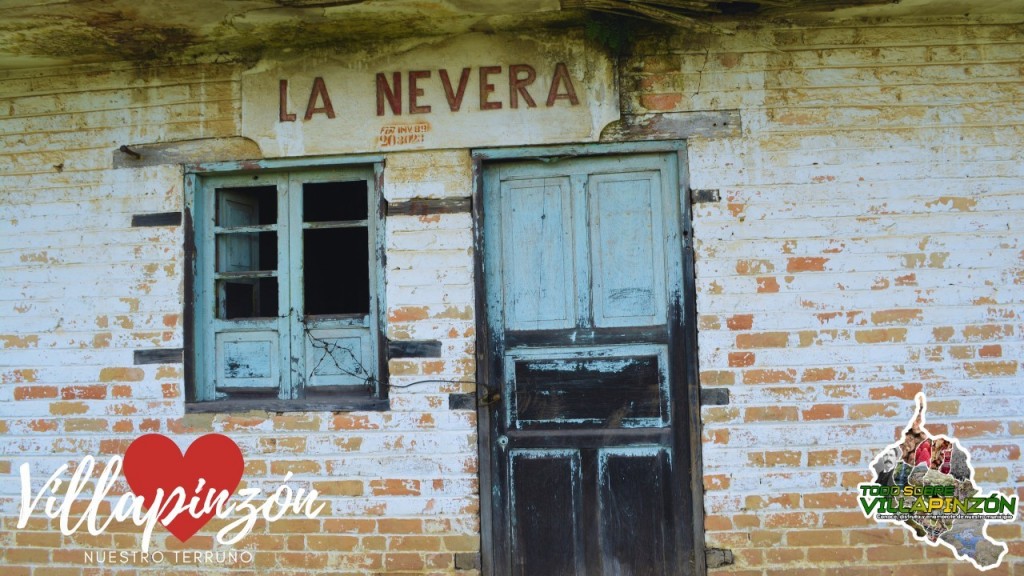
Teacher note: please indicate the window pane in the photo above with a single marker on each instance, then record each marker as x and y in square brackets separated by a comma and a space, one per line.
[246, 251]
[247, 298]
[246, 206]
[337, 271]
[334, 201]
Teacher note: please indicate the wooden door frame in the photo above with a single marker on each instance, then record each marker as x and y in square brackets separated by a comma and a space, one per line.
[491, 546]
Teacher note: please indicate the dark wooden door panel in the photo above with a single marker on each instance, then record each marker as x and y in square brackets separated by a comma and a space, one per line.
[583, 262]
[634, 521]
[546, 539]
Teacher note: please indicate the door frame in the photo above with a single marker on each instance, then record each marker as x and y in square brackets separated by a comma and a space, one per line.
[494, 542]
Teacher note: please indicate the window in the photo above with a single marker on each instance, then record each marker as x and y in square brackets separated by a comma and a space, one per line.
[287, 274]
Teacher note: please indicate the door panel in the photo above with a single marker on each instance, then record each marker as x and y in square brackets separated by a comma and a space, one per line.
[634, 519]
[546, 539]
[607, 387]
[629, 269]
[583, 262]
[538, 254]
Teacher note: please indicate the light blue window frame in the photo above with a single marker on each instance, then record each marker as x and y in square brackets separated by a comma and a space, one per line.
[284, 348]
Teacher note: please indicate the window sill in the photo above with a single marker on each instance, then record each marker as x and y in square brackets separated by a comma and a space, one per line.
[339, 404]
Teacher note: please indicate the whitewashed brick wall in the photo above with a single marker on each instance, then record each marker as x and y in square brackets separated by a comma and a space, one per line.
[868, 245]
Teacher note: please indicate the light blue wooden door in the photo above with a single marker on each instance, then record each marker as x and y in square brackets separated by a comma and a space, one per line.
[583, 263]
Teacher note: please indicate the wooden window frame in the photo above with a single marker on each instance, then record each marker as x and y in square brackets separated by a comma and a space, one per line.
[200, 346]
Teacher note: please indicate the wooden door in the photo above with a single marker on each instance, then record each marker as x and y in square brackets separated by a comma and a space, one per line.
[585, 428]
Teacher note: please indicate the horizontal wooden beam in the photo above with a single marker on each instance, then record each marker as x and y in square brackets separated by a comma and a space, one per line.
[159, 356]
[185, 152]
[674, 126]
[428, 206]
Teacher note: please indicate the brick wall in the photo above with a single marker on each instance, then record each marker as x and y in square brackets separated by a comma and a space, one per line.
[867, 246]
[82, 290]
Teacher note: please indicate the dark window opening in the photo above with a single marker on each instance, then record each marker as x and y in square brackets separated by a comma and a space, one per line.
[334, 201]
[247, 251]
[246, 206]
[336, 271]
[248, 298]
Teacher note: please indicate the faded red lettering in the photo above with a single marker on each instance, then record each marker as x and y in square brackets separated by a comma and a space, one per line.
[319, 91]
[562, 75]
[454, 98]
[283, 114]
[486, 88]
[517, 85]
[385, 92]
[415, 92]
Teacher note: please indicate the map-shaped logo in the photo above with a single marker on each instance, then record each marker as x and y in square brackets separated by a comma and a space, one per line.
[926, 483]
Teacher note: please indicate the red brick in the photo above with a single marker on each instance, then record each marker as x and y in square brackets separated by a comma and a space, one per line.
[823, 412]
[881, 335]
[767, 284]
[844, 520]
[987, 332]
[716, 482]
[83, 393]
[873, 411]
[990, 368]
[661, 102]
[121, 391]
[43, 425]
[34, 392]
[111, 446]
[762, 340]
[68, 408]
[394, 487]
[408, 314]
[740, 322]
[349, 525]
[775, 458]
[403, 561]
[822, 457]
[814, 537]
[752, 267]
[121, 375]
[905, 391]
[769, 376]
[340, 487]
[990, 351]
[741, 359]
[352, 422]
[806, 264]
[977, 428]
[12, 341]
[717, 378]
[896, 316]
[830, 500]
[19, 376]
[818, 375]
[771, 414]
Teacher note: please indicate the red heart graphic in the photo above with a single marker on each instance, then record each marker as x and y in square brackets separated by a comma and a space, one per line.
[154, 462]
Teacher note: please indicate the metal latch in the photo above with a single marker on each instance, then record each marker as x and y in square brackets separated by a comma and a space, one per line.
[490, 397]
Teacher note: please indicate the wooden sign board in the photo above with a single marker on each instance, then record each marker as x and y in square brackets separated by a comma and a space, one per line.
[475, 90]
